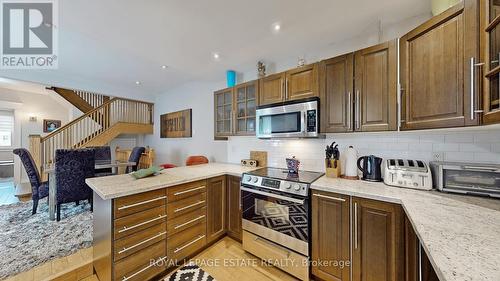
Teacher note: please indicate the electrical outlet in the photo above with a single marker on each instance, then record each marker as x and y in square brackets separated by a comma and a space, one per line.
[438, 156]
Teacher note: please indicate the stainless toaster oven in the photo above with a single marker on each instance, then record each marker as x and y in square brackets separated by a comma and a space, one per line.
[467, 178]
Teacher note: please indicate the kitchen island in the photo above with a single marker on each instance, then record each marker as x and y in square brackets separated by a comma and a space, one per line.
[459, 234]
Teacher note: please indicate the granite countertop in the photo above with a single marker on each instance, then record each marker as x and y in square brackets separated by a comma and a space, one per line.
[111, 187]
[460, 234]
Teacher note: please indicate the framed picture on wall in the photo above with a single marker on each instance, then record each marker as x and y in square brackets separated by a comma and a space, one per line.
[176, 124]
[51, 125]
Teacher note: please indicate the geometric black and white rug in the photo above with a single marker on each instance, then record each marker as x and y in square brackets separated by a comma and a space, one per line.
[189, 272]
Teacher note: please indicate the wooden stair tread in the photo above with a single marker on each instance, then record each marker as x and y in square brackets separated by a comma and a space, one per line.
[90, 278]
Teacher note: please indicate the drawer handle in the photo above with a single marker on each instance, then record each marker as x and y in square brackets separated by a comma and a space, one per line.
[189, 190]
[329, 197]
[189, 206]
[125, 228]
[125, 278]
[188, 244]
[126, 249]
[188, 222]
[274, 246]
[141, 203]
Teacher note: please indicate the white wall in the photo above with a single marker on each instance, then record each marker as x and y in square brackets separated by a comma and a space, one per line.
[199, 97]
[479, 145]
[41, 105]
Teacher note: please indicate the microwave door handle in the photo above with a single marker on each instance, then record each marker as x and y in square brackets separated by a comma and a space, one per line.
[277, 196]
[304, 118]
[480, 168]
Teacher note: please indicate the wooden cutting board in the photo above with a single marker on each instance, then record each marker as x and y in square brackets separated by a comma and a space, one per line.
[260, 156]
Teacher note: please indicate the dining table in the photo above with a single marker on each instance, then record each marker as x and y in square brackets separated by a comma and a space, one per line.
[50, 170]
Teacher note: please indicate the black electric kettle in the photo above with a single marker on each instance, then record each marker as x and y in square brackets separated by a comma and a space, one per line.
[371, 168]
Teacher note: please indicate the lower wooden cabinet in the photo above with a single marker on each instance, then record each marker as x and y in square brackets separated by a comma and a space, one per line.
[216, 208]
[233, 206]
[330, 236]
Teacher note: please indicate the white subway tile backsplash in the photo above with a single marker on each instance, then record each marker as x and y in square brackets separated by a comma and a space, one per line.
[481, 146]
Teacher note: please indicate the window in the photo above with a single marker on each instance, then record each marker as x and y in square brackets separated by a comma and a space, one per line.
[6, 128]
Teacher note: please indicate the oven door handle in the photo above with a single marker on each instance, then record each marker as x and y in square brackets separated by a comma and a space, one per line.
[277, 196]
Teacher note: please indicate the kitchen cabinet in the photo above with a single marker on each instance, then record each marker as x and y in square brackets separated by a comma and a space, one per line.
[216, 208]
[298, 83]
[416, 261]
[234, 229]
[376, 88]
[234, 110]
[437, 61]
[377, 252]
[330, 235]
[336, 94]
[491, 56]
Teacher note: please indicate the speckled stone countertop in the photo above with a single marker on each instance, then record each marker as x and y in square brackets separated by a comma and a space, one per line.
[122, 185]
[460, 234]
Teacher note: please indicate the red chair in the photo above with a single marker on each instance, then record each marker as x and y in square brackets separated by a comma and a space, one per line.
[196, 160]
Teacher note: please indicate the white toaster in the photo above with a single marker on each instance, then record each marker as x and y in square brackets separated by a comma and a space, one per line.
[408, 173]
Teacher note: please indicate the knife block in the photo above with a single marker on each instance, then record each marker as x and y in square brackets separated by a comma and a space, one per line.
[334, 171]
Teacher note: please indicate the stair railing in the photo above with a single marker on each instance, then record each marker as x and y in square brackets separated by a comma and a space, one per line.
[82, 130]
[93, 99]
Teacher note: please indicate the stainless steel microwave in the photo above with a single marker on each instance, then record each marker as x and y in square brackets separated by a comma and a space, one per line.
[291, 119]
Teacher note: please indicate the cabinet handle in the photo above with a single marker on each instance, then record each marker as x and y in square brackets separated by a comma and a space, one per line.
[125, 278]
[349, 107]
[420, 277]
[188, 244]
[358, 113]
[189, 206]
[188, 222]
[141, 203]
[126, 249]
[355, 225]
[189, 190]
[329, 197]
[473, 66]
[286, 89]
[125, 228]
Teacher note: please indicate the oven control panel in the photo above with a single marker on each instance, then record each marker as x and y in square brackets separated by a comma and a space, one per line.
[275, 184]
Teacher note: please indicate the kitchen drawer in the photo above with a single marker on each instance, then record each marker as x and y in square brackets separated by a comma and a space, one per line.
[139, 202]
[187, 242]
[138, 267]
[185, 221]
[139, 221]
[182, 191]
[184, 206]
[133, 243]
[291, 262]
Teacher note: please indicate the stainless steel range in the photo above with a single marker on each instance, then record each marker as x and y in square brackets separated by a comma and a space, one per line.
[275, 208]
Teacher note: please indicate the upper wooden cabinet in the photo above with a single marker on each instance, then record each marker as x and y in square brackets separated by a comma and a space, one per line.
[376, 88]
[298, 83]
[336, 94]
[377, 241]
[330, 235]
[437, 61]
[491, 56]
[235, 110]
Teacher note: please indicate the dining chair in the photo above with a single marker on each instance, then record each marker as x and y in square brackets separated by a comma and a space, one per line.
[72, 167]
[39, 189]
[196, 160]
[135, 156]
[102, 153]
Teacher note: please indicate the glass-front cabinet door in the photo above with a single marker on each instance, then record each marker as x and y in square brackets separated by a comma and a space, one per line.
[223, 113]
[245, 95]
[492, 52]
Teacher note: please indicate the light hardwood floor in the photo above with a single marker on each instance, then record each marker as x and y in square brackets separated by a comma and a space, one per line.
[227, 261]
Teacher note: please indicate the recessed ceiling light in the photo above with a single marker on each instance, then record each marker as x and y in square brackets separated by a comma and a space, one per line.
[138, 82]
[164, 67]
[276, 27]
[215, 56]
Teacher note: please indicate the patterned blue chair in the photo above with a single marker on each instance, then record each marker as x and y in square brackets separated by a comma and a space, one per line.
[102, 153]
[39, 189]
[135, 156]
[72, 167]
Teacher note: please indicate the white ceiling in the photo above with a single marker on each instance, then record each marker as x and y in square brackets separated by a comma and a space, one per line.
[105, 46]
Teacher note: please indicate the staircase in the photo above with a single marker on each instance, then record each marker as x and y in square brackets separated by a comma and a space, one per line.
[106, 119]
